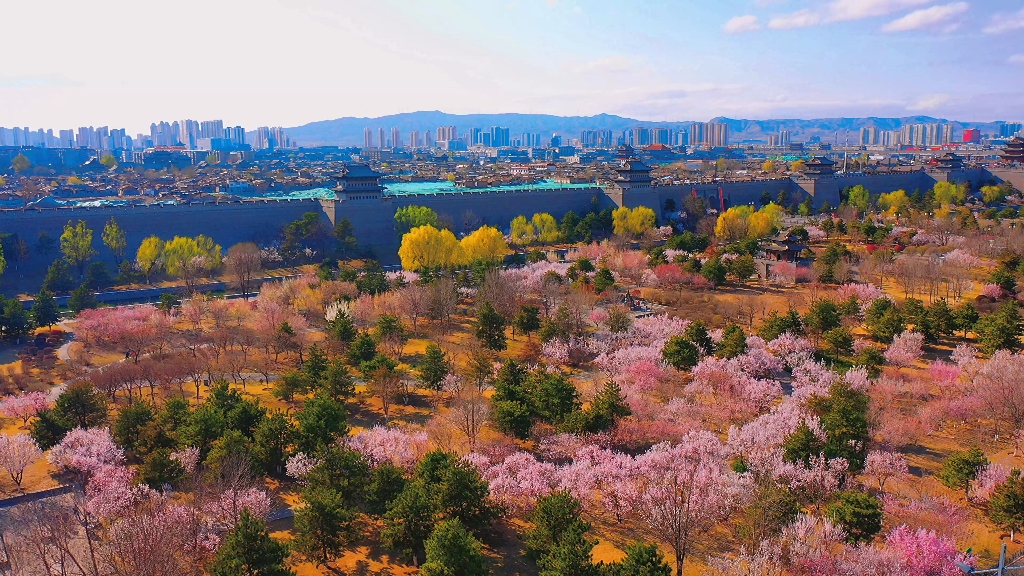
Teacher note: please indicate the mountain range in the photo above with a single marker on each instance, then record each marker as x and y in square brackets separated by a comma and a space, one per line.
[348, 131]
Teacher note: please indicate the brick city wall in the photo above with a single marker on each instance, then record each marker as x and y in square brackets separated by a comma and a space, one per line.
[261, 221]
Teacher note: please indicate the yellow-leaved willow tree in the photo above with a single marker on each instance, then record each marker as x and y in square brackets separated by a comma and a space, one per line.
[632, 222]
[426, 247]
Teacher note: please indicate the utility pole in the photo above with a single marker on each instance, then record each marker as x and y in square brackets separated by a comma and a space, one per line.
[999, 570]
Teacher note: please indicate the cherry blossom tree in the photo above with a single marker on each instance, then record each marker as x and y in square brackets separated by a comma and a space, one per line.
[817, 480]
[989, 477]
[602, 475]
[939, 514]
[993, 291]
[905, 349]
[729, 388]
[188, 458]
[300, 465]
[812, 378]
[111, 491]
[998, 389]
[225, 510]
[387, 443]
[793, 350]
[24, 406]
[864, 293]
[882, 465]
[17, 452]
[927, 553]
[133, 329]
[85, 451]
[944, 374]
[518, 480]
[684, 490]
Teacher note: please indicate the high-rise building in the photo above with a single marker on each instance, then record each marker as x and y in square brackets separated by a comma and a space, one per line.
[639, 136]
[414, 139]
[1010, 129]
[84, 137]
[66, 139]
[190, 132]
[474, 137]
[485, 139]
[499, 136]
[367, 138]
[659, 136]
[381, 139]
[869, 136]
[396, 137]
[211, 129]
[972, 135]
[446, 133]
[716, 134]
[428, 138]
[236, 135]
[596, 138]
[101, 138]
[271, 138]
[697, 134]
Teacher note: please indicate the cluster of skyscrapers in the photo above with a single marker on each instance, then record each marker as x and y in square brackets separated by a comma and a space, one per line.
[447, 138]
[710, 134]
[930, 134]
[189, 134]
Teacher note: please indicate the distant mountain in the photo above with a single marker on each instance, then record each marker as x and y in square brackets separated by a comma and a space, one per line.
[348, 131]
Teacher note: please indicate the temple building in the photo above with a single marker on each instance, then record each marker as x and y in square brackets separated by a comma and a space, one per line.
[949, 162]
[1014, 150]
[819, 166]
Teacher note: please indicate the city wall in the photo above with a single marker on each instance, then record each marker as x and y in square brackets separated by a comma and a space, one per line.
[226, 222]
[373, 220]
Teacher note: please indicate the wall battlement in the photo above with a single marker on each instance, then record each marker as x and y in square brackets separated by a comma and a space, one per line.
[261, 221]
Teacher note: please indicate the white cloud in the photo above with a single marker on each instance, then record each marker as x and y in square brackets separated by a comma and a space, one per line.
[841, 11]
[929, 102]
[928, 17]
[1016, 59]
[1005, 23]
[740, 24]
[799, 19]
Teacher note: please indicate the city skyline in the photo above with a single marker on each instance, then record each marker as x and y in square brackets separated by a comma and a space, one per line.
[651, 61]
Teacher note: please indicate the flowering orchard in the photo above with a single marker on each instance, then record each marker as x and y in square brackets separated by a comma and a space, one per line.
[723, 406]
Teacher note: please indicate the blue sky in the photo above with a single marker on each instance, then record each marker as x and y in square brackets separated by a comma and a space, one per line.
[288, 62]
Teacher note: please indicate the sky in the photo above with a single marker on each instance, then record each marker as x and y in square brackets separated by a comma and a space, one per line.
[127, 63]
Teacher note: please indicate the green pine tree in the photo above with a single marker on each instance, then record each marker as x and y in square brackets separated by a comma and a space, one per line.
[82, 299]
[324, 526]
[248, 550]
[1006, 506]
[45, 311]
[490, 328]
[434, 368]
[452, 551]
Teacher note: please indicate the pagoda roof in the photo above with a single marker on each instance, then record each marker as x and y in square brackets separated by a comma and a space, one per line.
[820, 161]
[358, 171]
[633, 165]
